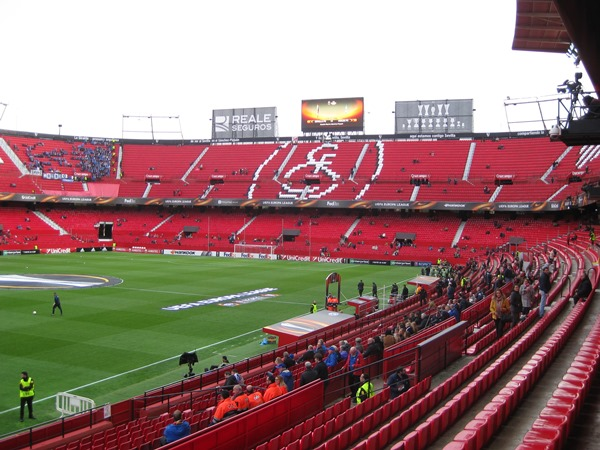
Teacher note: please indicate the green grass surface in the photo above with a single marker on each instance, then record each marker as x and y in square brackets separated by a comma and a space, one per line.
[116, 342]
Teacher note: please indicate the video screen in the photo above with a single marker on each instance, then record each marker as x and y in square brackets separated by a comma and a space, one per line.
[334, 114]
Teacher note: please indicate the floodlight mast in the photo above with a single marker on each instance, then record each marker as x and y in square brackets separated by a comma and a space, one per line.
[150, 127]
[4, 105]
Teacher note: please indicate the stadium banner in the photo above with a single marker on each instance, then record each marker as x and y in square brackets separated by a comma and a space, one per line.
[333, 114]
[328, 259]
[433, 116]
[56, 251]
[371, 262]
[298, 202]
[93, 249]
[241, 123]
[56, 176]
[187, 252]
[293, 258]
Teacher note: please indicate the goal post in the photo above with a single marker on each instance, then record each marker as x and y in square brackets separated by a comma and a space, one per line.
[255, 248]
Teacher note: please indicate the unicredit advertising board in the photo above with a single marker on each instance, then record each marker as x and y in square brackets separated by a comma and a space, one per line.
[244, 123]
[434, 116]
[333, 114]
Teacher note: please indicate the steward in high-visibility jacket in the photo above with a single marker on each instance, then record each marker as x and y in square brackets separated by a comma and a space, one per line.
[366, 390]
[26, 393]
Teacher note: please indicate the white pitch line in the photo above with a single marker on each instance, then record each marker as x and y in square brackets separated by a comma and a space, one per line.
[132, 370]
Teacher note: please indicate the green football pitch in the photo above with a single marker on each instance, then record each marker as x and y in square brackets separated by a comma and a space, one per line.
[115, 342]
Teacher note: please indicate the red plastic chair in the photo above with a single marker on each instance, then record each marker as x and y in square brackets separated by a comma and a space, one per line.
[306, 442]
[467, 438]
[411, 441]
[333, 444]
[317, 435]
[294, 445]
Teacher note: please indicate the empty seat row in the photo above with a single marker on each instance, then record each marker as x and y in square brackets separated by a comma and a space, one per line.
[480, 430]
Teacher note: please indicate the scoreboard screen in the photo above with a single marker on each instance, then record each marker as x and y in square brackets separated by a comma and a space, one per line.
[333, 114]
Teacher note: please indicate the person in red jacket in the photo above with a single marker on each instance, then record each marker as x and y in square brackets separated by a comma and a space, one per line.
[226, 407]
[254, 397]
[353, 366]
[273, 390]
[241, 399]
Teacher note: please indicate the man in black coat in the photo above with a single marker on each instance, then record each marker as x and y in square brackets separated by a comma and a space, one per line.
[309, 374]
[321, 368]
[398, 383]
[544, 286]
[308, 355]
[404, 295]
[361, 287]
[516, 305]
[583, 290]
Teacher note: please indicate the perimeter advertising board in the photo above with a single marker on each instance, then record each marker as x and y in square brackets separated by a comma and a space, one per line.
[242, 123]
[333, 114]
[434, 116]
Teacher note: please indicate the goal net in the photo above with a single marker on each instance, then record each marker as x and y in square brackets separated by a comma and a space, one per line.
[254, 248]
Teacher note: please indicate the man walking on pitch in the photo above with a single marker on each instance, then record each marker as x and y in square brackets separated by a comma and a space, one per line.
[56, 304]
[361, 287]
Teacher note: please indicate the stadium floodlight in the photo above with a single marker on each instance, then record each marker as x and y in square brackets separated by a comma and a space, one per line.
[3, 109]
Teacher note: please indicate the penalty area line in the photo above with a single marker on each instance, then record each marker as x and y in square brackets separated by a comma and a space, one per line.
[112, 377]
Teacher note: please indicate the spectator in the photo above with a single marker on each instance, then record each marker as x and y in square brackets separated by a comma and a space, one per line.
[374, 348]
[398, 383]
[583, 290]
[321, 368]
[254, 398]
[544, 285]
[176, 430]
[226, 408]
[500, 310]
[281, 384]
[288, 379]
[332, 356]
[353, 367]
[388, 339]
[230, 380]
[279, 365]
[241, 399]
[358, 345]
[308, 355]
[309, 374]
[527, 294]
[288, 360]
[224, 362]
[516, 305]
[273, 390]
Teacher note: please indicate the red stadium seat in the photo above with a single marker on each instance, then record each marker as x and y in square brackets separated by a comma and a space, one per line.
[332, 444]
[306, 442]
[317, 435]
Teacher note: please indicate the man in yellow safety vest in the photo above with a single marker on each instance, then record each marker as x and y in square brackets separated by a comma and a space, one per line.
[26, 393]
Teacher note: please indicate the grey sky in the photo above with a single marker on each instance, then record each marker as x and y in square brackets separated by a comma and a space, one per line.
[84, 64]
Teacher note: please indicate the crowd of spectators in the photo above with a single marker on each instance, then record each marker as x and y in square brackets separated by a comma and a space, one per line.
[95, 159]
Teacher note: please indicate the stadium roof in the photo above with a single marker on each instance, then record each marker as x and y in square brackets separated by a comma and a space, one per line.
[552, 25]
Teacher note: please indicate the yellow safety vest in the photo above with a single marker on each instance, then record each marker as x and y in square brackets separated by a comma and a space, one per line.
[26, 383]
[366, 390]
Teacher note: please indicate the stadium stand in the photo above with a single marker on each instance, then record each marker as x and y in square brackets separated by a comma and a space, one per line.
[432, 409]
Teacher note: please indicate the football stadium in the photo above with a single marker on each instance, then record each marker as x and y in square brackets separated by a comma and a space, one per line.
[434, 287]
